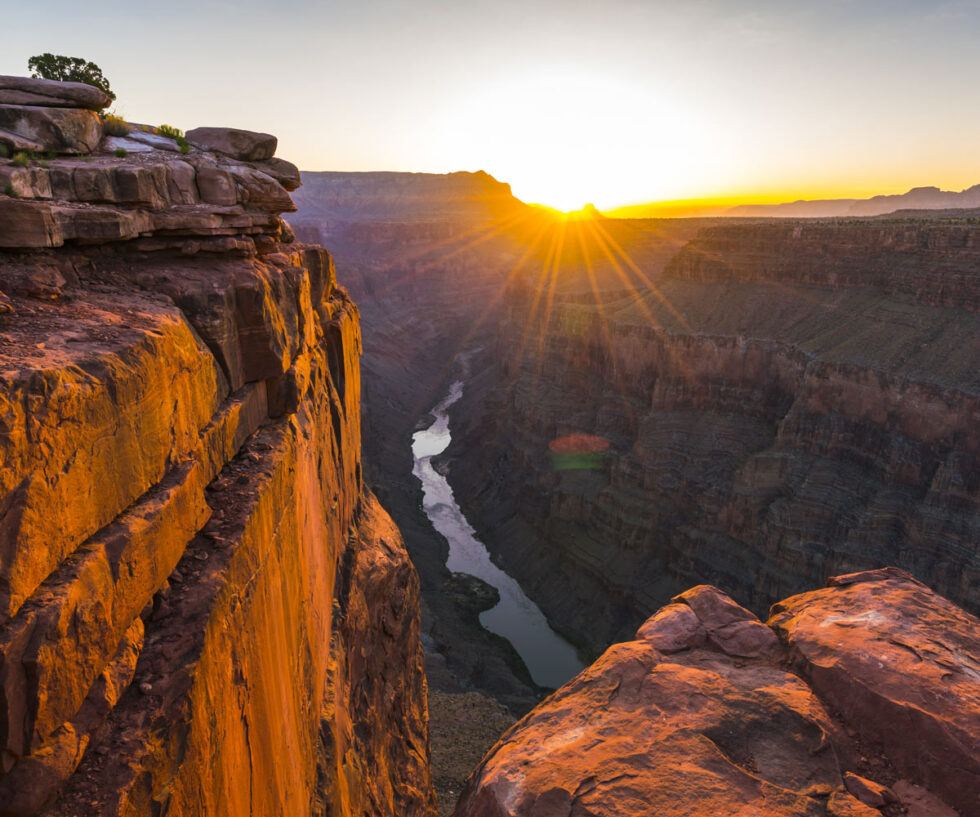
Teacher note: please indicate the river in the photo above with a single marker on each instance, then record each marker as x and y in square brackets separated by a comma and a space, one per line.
[550, 659]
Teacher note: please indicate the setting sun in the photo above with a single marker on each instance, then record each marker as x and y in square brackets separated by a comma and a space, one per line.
[567, 137]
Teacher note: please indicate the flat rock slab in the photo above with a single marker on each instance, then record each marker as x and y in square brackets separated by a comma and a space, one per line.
[62, 130]
[50, 93]
[246, 145]
[902, 666]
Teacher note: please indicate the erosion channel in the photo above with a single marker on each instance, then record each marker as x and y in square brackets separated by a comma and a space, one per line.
[550, 659]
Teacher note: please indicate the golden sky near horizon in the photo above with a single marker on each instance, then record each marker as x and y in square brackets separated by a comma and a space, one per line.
[615, 102]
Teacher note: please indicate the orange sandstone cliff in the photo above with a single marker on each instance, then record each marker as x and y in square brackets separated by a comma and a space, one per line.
[202, 610]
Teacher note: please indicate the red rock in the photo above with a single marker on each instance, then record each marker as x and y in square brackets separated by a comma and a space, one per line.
[843, 804]
[867, 791]
[672, 628]
[730, 627]
[28, 224]
[50, 93]
[63, 130]
[286, 173]
[920, 803]
[894, 659]
[239, 144]
[642, 734]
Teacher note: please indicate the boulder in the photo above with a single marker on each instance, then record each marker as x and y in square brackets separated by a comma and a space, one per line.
[899, 663]
[62, 130]
[730, 627]
[239, 144]
[50, 93]
[286, 173]
[638, 733]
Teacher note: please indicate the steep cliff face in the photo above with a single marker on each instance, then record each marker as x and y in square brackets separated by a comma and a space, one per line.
[859, 700]
[202, 611]
[784, 403]
[425, 257]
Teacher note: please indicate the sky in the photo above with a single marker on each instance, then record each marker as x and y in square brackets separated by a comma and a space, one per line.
[614, 102]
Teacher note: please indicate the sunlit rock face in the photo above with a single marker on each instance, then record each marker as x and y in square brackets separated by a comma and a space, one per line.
[858, 700]
[202, 610]
[788, 402]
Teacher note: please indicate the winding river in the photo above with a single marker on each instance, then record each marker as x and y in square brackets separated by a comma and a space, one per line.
[550, 659]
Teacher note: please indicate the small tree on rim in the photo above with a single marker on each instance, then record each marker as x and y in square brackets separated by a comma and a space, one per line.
[69, 69]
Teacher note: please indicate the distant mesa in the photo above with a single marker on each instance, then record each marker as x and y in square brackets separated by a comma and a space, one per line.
[918, 198]
[339, 196]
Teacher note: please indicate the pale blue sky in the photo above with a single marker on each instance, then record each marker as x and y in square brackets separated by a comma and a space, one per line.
[614, 101]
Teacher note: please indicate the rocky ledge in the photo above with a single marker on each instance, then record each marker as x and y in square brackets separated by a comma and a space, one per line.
[202, 610]
[858, 700]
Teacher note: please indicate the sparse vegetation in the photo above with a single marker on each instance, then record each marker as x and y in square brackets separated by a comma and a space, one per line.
[120, 152]
[8, 190]
[170, 131]
[4, 152]
[69, 69]
[22, 158]
[115, 125]
[177, 135]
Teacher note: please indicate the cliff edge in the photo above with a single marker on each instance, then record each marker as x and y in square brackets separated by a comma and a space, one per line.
[202, 610]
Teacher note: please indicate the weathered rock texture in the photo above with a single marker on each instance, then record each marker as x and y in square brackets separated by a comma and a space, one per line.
[867, 703]
[785, 402]
[201, 610]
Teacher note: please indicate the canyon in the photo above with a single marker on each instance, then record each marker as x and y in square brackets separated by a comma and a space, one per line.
[775, 403]
[784, 402]
[666, 432]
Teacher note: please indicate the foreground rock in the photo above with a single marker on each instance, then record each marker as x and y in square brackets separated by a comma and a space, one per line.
[202, 610]
[870, 695]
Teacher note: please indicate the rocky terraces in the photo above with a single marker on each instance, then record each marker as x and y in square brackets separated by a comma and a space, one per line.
[201, 609]
[785, 402]
[859, 700]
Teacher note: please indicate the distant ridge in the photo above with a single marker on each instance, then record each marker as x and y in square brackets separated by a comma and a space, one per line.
[918, 198]
[357, 196]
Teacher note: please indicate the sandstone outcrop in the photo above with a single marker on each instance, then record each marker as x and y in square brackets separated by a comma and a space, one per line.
[48, 93]
[238, 144]
[783, 402]
[867, 704]
[202, 611]
[61, 130]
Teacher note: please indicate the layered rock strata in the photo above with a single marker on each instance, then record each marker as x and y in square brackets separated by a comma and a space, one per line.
[424, 257]
[202, 611]
[858, 700]
[785, 402]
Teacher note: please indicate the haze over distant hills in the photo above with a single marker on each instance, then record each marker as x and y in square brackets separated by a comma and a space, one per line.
[918, 198]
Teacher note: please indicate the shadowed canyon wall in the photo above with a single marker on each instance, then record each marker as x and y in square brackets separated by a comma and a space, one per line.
[202, 609]
[785, 402]
[424, 256]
